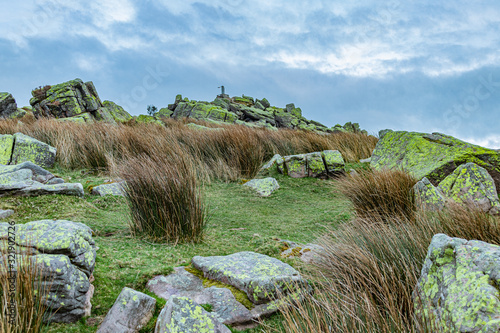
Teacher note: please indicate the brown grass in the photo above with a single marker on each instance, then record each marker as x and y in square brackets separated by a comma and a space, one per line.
[28, 295]
[385, 194]
[165, 200]
[236, 152]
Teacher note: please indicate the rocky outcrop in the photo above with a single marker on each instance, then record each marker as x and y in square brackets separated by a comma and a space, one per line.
[28, 179]
[348, 128]
[458, 290]
[428, 196]
[264, 187]
[244, 110]
[65, 253]
[8, 105]
[19, 148]
[433, 156]
[75, 100]
[131, 312]
[323, 164]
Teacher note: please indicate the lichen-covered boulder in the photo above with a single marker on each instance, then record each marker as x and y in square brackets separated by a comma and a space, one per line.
[433, 156]
[29, 149]
[131, 312]
[334, 161]
[6, 147]
[109, 189]
[82, 118]
[8, 105]
[145, 119]
[264, 187]
[66, 253]
[117, 112]
[458, 287]
[315, 165]
[295, 166]
[472, 184]
[39, 174]
[272, 162]
[428, 196]
[261, 277]
[181, 314]
[66, 99]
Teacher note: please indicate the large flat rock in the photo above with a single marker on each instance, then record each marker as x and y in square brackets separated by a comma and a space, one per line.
[261, 277]
[434, 155]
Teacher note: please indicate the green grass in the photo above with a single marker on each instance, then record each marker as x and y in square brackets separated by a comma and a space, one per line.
[238, 221]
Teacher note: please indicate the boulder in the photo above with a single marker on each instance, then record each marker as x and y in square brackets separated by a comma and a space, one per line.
[29, 149]
[334, 161]
[458, 287]
[66, 99]
[117, 112]
[308, 253]
[66, 254]
[145, 119]
[79, 119]
[264, 187]
[32, 189]
[6, 213]
[109, 189]
[131, 312]
[6, 147]
[8, 105]
[181, 314]
[433, 156]
[261, 277]
[428, 196]
[317, 164]
[473, 185]
[184, 284]
[272, 162]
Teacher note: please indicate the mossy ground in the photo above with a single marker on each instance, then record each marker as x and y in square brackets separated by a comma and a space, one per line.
[239, 221]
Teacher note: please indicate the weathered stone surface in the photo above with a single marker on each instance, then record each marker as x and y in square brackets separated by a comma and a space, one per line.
[109, 189]
[308, 253]
[132, 311]
[182, 283]
[34, 188]
[428, 196]
[117, 112]
[458, 287]
[16, 177]
[433, 156]
[181, 314]
[66, 253]
[82, 118]
[6, 213]
[334, 161]
[264, 187]
[28, 149]
[6, 147]
[8, 105]
[145, 119]
[40, 174]
[103, 114]
[261, 277]
[296, 166]
[471, 184]
[315, 165]
[272, 162]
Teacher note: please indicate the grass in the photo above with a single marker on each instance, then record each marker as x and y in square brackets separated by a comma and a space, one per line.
[239, 221]
[164, 198]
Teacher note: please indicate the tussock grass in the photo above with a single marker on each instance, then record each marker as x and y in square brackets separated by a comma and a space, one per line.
[236, 152]
[165, 200]
[28, 297]
[385, 194]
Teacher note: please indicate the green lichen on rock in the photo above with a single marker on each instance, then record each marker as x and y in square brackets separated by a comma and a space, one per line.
[472, 184]
[434, 156]
[334, 161]
[80, 119]
[457, 288]
[28, 149]
[315, 164]
[117, 112]
[183, 315]
[6, 147]
[145, 119]
[264, 187]
[428, 196]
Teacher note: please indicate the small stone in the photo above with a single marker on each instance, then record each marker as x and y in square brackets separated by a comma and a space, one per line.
[6, 213]
[109, 189]
[264, 187]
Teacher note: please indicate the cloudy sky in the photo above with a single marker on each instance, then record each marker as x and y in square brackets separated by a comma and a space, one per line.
[407, 65]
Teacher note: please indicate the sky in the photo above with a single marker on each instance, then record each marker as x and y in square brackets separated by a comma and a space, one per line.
[427, 66]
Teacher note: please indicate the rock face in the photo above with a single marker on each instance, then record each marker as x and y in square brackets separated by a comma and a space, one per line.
[75, 99]
[132, 311]
[6, 147]
[318, 164]
[261, 277]
[28, 179]
[28, 149]
[458, 287]
[8, 105]
[66, 253]
[433, 156]
[181, 314]
[472, 184]
[429, 196]
[263, 187]
[243, 110]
